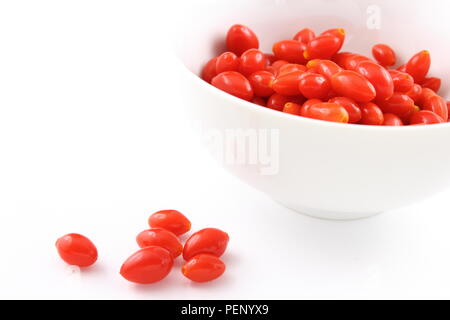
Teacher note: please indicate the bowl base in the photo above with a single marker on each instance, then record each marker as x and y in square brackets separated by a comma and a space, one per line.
[329, 215]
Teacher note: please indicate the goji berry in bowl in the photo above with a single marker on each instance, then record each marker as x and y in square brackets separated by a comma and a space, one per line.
[324, 169]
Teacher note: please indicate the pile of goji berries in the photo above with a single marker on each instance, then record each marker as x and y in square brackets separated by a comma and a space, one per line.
[308, 76]
[159, 245]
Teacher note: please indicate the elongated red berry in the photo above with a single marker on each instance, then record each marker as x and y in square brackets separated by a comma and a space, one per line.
[314, 86]
[437, 105]
[234, 83]
[379, 77]
[305, 36]
[75, 249]
[203, 268]
[432, 83]
[322, 47]
[292, 108]
[392, 120]
[290, 50]
[261, 82]
[210, 241]
[351, 106]
[278, 101]
[338, 33]
[252, 61]
[399, 104]
[384, 55]
[425, 117]
[403, 82]
[418, 66]
[171, 220]
[209, 70]
[288, 84]
[326, 68]
[325, 111]
[353, 85]
[160, 238]
[148, 265]
[227, 61]
[240, 39]
[371, 114]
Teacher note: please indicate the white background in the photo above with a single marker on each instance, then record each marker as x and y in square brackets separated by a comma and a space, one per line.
[93, 139]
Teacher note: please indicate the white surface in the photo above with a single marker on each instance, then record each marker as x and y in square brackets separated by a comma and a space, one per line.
[93, 141]
[327, 170]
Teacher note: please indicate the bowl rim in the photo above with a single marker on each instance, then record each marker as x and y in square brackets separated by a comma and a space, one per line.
[290, 117]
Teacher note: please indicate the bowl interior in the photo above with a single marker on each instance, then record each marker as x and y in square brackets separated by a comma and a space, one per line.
[409, 26]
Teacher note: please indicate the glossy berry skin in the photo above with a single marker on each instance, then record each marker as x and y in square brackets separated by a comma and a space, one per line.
[371, 114]
[432, 83]
[227, 61]
[399, 104]
[353, 110]
[210, 241]
[392, 120]
[353, 85]
[418, 66]
[291, 67]
[338, 33]
[171, 220]
[251, 61]
[322, 47]
[384, 55]
[290, 50]
[276, 66]
[261, 82]
[288, 84]
[234, 83]
[278, 101]
[77, 250]
[310, 102]
[325, 111]
[403, 82]
[379, 77]
[425, 117]
[425, 95]
[341, 58]
[203, 268]
[240, 39]
[209, 70]
[326, 68]
[437, 105]
[351, 62]
[305, 36]
[292, 108]
[160, 238]
[148, 265]
[314, 86]
[415, 93]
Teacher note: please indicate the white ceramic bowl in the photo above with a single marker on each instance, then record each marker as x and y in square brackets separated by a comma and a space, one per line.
[326, 170]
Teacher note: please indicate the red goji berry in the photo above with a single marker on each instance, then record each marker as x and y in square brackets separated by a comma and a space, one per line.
[203, 268]
[171, 220]
[148, 265]
[75, 249]
[210, 240]
[240, 39]
[325, 111]
[353, 85]
[234, 83]
[384, 55]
